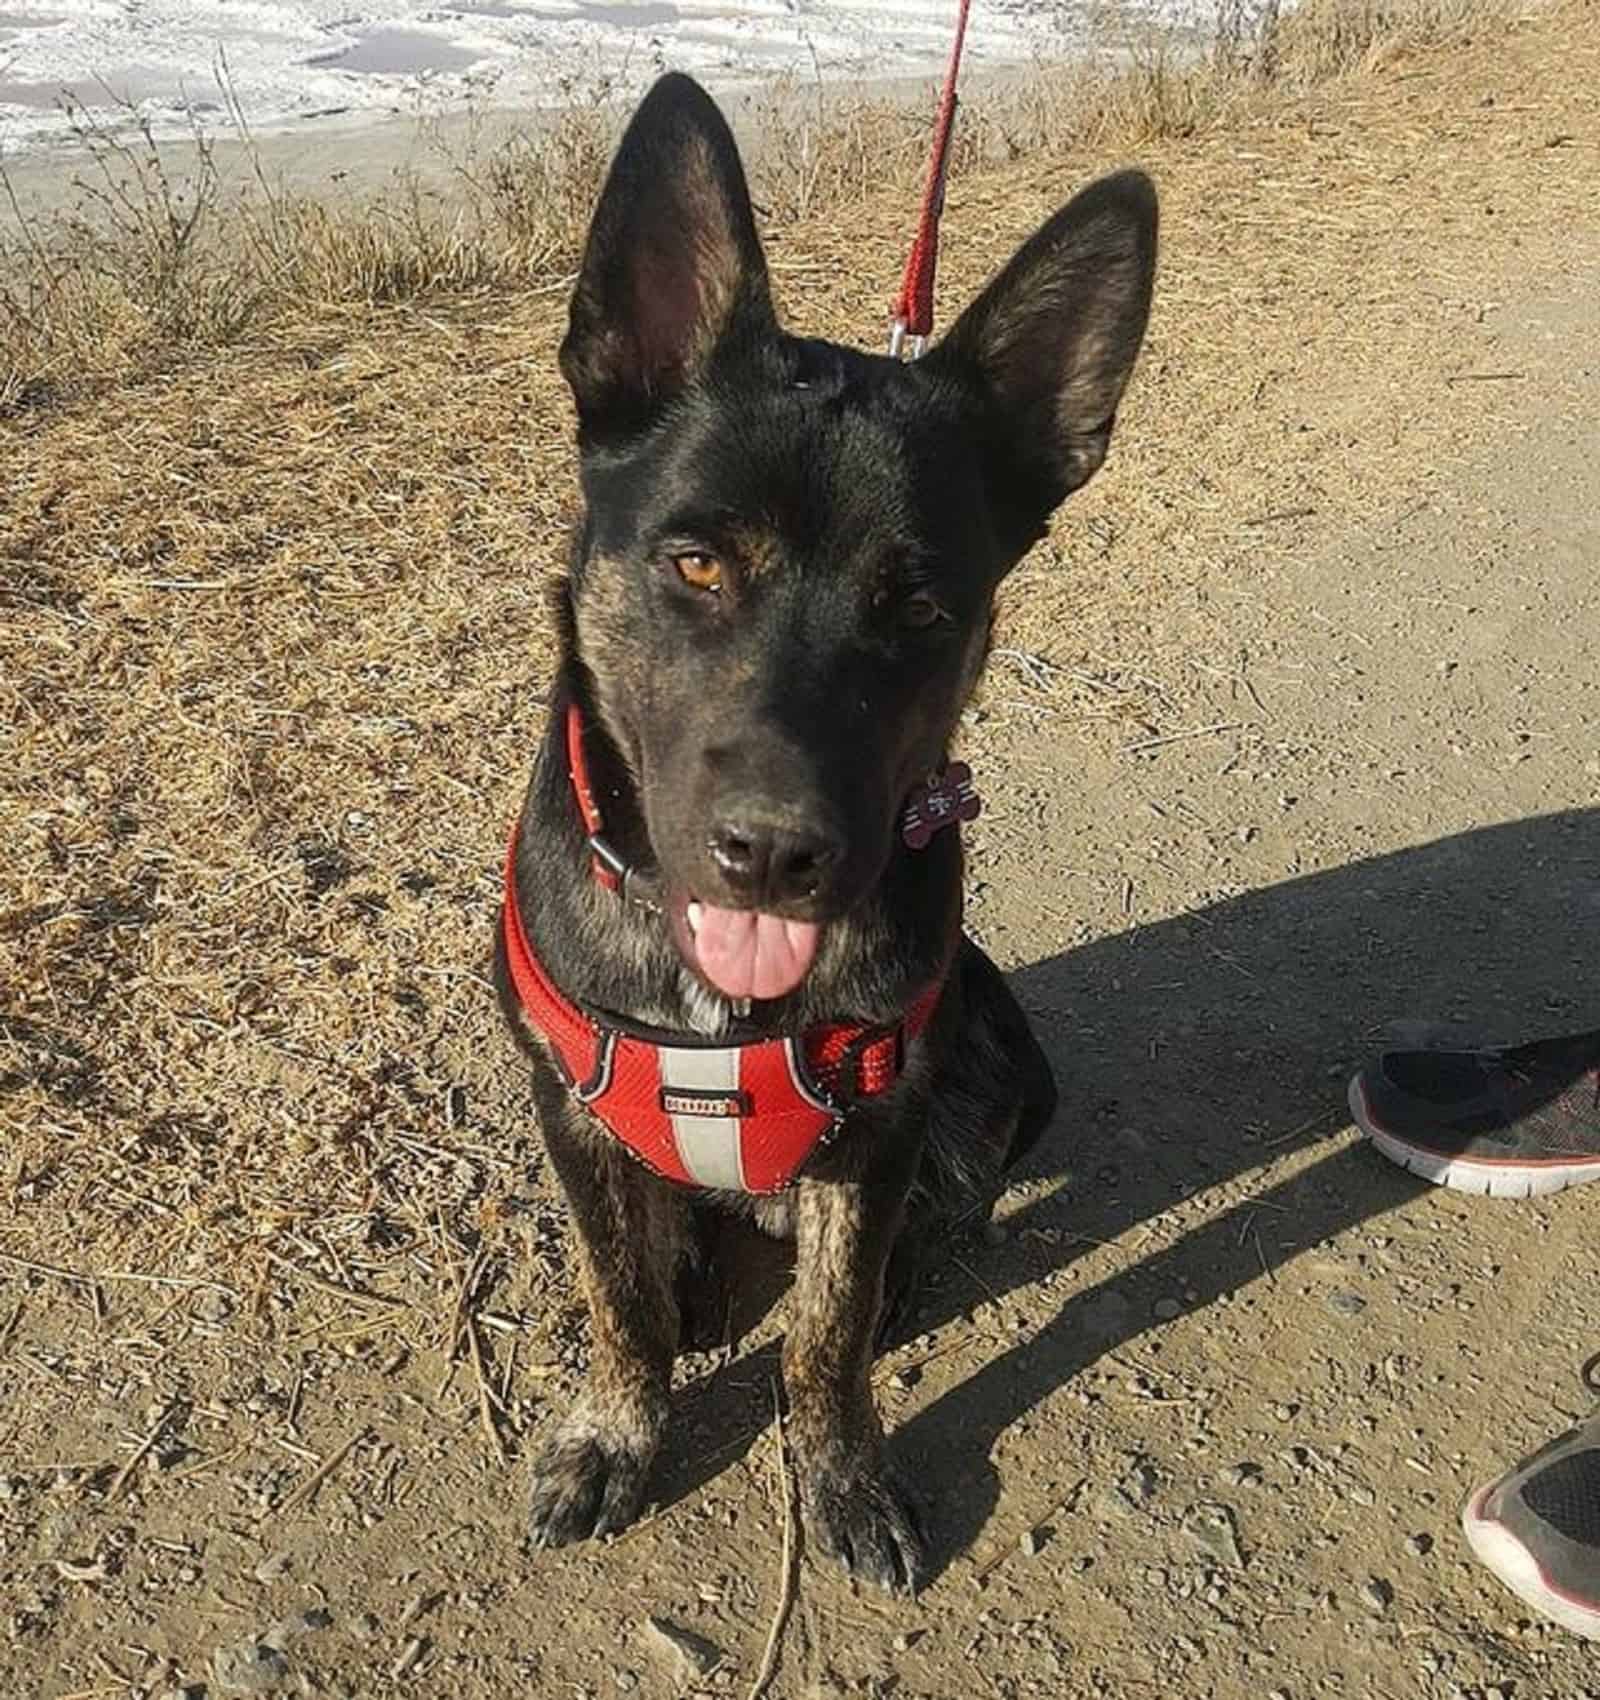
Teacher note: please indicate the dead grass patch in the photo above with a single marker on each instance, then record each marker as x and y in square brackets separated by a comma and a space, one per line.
[152, 263]
[273, 640]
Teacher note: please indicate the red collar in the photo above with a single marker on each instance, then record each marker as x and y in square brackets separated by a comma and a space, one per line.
[739, 1118]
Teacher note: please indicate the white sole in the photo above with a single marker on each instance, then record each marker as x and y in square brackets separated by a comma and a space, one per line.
[1463, 1174]
[1510, 1560]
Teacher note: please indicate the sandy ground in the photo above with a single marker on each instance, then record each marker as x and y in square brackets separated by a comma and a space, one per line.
[1293, 744]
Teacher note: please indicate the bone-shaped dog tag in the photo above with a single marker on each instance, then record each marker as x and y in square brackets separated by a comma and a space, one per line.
[942, 801]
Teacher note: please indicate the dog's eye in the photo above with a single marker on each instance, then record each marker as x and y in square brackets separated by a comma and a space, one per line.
[922, 610]
[698, 570]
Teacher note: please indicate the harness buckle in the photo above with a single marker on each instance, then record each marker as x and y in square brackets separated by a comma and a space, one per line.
[607, 856]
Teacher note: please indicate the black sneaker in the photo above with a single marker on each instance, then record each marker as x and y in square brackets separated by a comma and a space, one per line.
[1514, 1123]
[1538, 1529]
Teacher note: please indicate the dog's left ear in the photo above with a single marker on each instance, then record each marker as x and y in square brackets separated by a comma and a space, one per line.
[1051, 343]
[673, 267]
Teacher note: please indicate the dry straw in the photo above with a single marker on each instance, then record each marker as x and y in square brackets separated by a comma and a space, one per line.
[273, 629]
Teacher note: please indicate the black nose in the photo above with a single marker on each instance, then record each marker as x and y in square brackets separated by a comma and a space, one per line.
[761, 863]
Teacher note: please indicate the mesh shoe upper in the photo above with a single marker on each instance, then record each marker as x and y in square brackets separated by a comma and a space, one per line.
[1536, 1100]
[1538, 1528]
[1565, 1494]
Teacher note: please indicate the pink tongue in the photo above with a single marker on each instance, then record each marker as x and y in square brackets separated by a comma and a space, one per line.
[748, 955]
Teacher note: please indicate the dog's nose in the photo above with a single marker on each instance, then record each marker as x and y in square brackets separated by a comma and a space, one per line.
[763, 863]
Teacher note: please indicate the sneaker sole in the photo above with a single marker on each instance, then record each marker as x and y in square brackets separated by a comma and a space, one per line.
[1500, 1551]
[1484, 1176]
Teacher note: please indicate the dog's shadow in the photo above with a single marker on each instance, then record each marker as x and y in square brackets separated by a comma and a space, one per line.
[1191, 1052]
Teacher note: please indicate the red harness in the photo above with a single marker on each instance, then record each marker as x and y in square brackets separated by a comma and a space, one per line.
[739, 1118]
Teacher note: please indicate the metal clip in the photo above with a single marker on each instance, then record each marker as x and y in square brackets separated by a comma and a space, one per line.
[903, 346]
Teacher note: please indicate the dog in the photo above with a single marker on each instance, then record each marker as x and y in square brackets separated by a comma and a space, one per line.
[731, 937]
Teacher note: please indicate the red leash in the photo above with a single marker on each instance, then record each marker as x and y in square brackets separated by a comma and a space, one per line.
[913, 308]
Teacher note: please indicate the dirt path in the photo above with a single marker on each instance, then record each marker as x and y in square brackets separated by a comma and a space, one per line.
[1302, 750]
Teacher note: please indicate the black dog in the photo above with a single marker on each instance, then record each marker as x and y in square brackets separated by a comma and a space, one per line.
[732, 929]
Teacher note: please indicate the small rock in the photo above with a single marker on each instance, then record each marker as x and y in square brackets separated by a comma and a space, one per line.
[1419, 1546]
[1031, 1543]
[1137, 1486]
[366, 1626]
[1246, 1475]
[1166, 1309]
[907, 1639]
[1346, 1304]
[212, 1306]
[1213, 1529]
[273, 1568]
[1105, 1316]
[249, 1667]
[626, 1681]
[692, 1654]
[410, 1654]
[1377, 1595]
[302, 1623]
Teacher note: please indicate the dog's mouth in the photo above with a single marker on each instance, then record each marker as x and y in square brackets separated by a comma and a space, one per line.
[744, 953]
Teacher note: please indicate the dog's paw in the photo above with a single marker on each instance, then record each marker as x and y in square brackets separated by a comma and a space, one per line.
[586, 1483]
[866, 1523]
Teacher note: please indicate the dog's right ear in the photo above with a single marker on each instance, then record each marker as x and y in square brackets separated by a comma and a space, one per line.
[673, 266]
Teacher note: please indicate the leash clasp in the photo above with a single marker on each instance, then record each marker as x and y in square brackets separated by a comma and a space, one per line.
[903, 345]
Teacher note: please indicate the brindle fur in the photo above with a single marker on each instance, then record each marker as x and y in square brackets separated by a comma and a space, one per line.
[833, 486]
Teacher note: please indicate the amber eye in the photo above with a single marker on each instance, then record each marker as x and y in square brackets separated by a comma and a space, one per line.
[699, 571]
[921, 610]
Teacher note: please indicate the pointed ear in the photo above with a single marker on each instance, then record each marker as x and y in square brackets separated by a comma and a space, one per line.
[673, 265]
[1052, 340]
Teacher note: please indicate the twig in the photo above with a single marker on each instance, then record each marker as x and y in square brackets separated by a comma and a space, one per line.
[1483, 377]
[1280, 514]
[506, 1374]
[789, 1572]
[1067, 1502]
[145, 1447]
[973, 1276]
[459, 1312]
[333, 1288]
[11, 1326]
[308, 1488]
[72, 1275]
[485, 1397]
[1180, 737]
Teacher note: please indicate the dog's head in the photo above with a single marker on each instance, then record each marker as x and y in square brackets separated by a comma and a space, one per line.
[783, 585]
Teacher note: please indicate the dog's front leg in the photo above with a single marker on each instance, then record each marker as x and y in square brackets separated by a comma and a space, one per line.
[854, 1509]
[589, 1477]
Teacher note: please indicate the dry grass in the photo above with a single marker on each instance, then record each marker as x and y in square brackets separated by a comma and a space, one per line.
[272, 641]
[153, 262]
